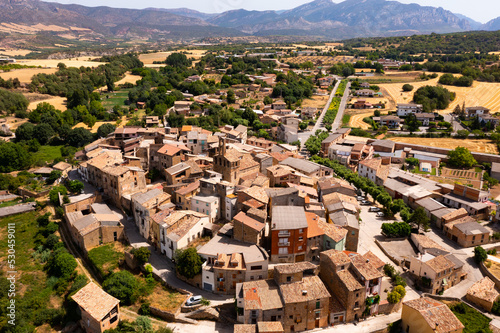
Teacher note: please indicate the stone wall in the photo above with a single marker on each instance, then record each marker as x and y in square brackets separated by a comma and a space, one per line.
[166, 315]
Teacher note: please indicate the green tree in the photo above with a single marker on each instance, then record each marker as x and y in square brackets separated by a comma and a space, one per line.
[412, 161]
[461, 157]
[53, 176]
[412, 123]
[407, 87]
[268, 100]
[105, 129]
[178, 60]
[44, 220]
[303, 125]
[61, 263]
[144, 324]
[231, 98]
[79, 137]
[13, 157]
[393, 297]
[51, 241]
[400, 290]
[122, 285]
[142, 255]
[188, 262]
[43, 132]
[75, 186]
[419, 218]
[25, 132]
[480, 254]
[463, 134]
[54, 194]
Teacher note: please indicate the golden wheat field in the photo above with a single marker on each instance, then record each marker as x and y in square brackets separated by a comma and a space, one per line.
[52, 63]
[480, 146]
[480, 94]
[25, 74]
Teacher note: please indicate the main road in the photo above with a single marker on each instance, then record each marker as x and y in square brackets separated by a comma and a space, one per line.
[303, 136]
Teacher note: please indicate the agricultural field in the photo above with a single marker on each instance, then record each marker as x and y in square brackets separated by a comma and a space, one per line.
[25, 74]
[119, 97]
[149, 58]
[325, 60]
[357, 118]
[58, 102]
[52, 63]
[99, 123]
[129, 78]
[479, 146]
[315, 102]
[481, 93]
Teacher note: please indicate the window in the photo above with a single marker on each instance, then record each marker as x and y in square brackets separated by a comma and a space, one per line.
[288, 279]
[318, 315]
[301, 239]
[356, 304]
[207, 204]
[300, 248]
[301, 230]
[283, 250]
[318, 303]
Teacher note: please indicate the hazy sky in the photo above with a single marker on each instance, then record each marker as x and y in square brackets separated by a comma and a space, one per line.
[479, 10]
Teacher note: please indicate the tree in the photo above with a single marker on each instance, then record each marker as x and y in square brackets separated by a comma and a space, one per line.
[122, 285]
[178, 60]
[412, 123]
[407, 87]
[463, 134]
[44, 220]
[231, 98]
[51, 241]
[303, 125]
[393, 297]
[53, 176]
[13, 157]
[43, 132]
[412, 161]
[142, 255]
[61, 263]
[433, 97]
[54, 194]
[461, 157]
[79, 137]
[480, 254]
[75, 186]
[400, 290]
[188, 262]
[396, 229]
[268, 100]
[420, 219]
[376, 113]
[25, 132]
[105, 129]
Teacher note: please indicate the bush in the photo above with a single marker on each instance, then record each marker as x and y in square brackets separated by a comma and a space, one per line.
[54, 194]
[142, 255]
[51, 241]
[51, 228]
[400, 290]
[188, 262]
[480, 254]
[122, 285]
[407, 87]
[398, 280]
[393, 297]
[75, 186]
[43, 220]
[61, 263]
[144, 309]
[389, 270]
[396, 229]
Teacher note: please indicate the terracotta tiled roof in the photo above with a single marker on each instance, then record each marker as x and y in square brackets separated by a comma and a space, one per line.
[426, 243]
[257, 193]
[437, 315]
[95, 301]
[337, 257]
[270, 326]
[245, 328]
[169, 150]
[365, 267]
[484, 289]
[189, 188]
[440, 263]
[349, 280]
[248, 221]
[261, 295]
[313, 229]
[280, 170]
[374, 260]
[308, 289]
[335, 232]
[373, 163]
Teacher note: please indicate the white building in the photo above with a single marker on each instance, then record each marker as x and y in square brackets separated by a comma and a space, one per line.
[179, 229]
[368, 168]
[207, 204]
[144, 205]
[406, 109]
[231, 210]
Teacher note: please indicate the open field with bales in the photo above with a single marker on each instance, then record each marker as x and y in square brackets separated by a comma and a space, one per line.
[479, 146]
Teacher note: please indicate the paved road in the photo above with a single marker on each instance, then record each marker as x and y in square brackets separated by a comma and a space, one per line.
[303, 136]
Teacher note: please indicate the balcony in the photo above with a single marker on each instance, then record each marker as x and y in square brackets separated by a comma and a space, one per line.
[284, 244]
[284, 234]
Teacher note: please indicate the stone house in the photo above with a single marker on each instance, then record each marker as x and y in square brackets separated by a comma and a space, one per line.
[483, 293]
[349, 222]
[258, 301]
[426, 315]
[144, 205]
[182, 196]
[208, 205]
[246, 229]
[230, 262]
[99, 310]
[353, 279]
[166, 157]
[436, 270]
[280, 175]
[467, 234]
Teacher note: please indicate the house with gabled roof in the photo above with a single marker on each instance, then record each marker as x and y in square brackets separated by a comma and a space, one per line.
[483, 293]
[426, 315]
[99, 310]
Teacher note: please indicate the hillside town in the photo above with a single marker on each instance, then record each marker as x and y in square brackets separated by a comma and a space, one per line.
[228, 201]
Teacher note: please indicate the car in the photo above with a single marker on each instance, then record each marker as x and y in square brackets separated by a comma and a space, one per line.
[360, 198]
[380, 214]
[193, 300]
[365, 203]
[374, 209]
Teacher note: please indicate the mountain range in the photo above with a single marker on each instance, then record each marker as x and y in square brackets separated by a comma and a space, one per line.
[321, 19]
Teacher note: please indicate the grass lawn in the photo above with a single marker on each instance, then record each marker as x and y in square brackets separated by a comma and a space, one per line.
[46, 154]
[473, 320]
[105, 258]
[115, 98]
[417, 170]
[10, 203]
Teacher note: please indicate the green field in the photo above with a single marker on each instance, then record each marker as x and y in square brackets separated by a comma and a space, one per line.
[46, 154]
[105, 258]
[115, 98]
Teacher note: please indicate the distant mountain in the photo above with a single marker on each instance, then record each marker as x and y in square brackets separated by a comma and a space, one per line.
[186, 12]
[107, 21]
[350, 18]
[321, 19]
[474, 25]
[492, 25]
